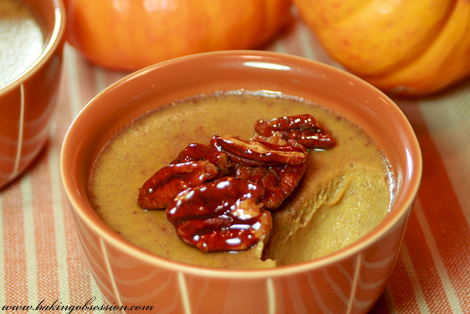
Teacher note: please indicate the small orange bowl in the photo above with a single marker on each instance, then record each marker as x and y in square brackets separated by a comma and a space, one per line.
[347, 281]
[27, 100]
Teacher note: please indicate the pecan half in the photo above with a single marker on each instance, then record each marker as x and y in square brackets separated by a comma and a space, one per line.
[302, 128]
[160, 190]
[276, 138]
[197, 152]
[258, 153]
[278, 168]
[222, 215]
[278, 181]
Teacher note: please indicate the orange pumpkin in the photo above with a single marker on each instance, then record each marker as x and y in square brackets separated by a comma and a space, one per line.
[411, 48]
[131, 34]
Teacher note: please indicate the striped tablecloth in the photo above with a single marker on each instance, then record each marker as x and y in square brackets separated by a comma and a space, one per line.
[40, 257]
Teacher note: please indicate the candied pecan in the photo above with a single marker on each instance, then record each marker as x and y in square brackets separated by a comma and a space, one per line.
[275, 138]
[303, 128]
[258, 153]
[160, 190]
[196, 152]
[222, 215]
[278, 168]
[278, 181]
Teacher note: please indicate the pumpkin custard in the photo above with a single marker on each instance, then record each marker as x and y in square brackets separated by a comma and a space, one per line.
[21, 39]
[344, 193]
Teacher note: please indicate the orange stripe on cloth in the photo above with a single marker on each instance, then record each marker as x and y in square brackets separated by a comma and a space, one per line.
[16, 281]
[440, 213]
[427, 275]
[44, 229]
[74, 87]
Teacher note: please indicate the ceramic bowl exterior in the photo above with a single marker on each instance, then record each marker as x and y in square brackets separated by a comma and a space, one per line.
[26, 103]
[348, 281]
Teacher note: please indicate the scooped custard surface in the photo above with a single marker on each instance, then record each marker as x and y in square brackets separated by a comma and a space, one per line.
[344, 193]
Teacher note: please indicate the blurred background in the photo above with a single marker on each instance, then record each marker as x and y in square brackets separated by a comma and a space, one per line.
[418, 52]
